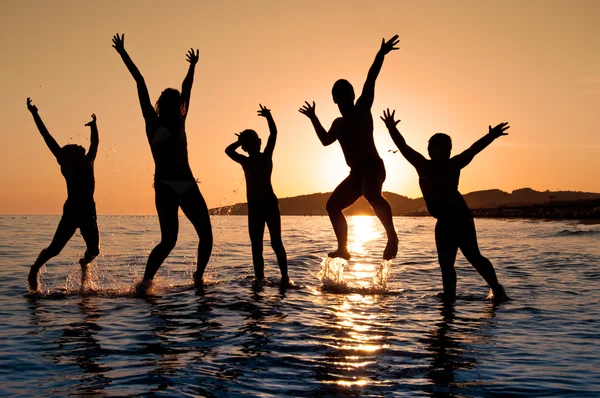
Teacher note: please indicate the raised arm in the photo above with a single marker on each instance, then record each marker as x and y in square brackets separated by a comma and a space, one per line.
[50, 141]
[186, 86]
[266, 113]
[94, 139]
[368, 93]
[467, 156]
[147, 109]
[326, 137]
[231, 151]
[414, 157]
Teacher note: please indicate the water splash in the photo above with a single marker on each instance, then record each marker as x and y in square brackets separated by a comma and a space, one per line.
[382, 275]
[336, 276]
[90, 280]
[331, 274]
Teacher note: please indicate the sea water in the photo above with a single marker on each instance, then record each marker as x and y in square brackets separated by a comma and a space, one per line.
[357, 328]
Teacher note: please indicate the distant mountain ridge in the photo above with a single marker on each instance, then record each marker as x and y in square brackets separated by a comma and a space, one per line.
[314, 204]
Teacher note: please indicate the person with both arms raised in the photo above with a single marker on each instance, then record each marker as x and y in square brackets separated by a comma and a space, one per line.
[438, 179]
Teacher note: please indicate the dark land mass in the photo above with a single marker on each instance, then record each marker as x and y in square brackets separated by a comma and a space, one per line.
[523, 202]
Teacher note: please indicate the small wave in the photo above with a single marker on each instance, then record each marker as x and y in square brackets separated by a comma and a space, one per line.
[365, 291]
[115, 293]
[270, 281]
[589, 232]
[66, 293]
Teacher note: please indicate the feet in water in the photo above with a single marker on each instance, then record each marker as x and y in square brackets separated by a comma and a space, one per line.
[340, 253]
[85, 272]
[32, 281]
[259, 283]
[391, 249]
[85, 276]
[447, 298]
[287, 283]
[85, 260]
[199, 283]
[498, 295]
[143, 287]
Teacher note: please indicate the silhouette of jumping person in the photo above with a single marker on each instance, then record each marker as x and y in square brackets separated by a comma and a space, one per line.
[174, 183]
[79, 210]
[438, 179]
[354, 131]
[263, 207]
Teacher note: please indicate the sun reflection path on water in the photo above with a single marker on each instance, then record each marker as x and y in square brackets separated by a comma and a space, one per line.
[359, 327]
[358, 337]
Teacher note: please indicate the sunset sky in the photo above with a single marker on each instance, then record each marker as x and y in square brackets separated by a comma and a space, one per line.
[462, 65]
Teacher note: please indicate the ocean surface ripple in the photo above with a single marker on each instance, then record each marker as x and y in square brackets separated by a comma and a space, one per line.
[362, 328]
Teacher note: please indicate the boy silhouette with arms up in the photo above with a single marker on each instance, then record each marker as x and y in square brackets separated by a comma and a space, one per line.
[263, 207]
[79, 210]
[354, 131]
[438, 179]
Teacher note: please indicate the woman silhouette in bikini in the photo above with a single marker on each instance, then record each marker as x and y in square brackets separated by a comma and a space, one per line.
[174, 183]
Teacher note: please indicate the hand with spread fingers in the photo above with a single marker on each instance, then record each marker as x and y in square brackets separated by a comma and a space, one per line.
[388, 118]
[499, 130]
[119, 42]
[192, 57]
[390, 45]
[264, 111]
[307, 109]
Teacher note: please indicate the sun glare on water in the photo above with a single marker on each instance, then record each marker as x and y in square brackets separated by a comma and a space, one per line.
[358, 339]
[362, 234]
[366, 271]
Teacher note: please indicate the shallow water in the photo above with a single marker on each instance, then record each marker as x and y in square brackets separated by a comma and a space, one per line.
[351, 338]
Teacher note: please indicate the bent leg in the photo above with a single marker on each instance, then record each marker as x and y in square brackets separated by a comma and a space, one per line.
[447, 248]
[372, 184]
[467, 237]
[342, 197]
[64, 231]
[88, 225]
[195, 209]
[167, 208]
[273, 220]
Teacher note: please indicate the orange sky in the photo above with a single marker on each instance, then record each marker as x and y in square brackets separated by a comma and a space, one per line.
[462, 65]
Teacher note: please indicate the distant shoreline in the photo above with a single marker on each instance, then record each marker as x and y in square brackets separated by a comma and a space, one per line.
[523, 203]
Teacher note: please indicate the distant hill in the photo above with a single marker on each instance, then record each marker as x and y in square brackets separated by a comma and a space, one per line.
[314, 204]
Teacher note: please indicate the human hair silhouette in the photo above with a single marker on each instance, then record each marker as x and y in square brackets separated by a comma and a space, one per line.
[438, 179]
[174, 184]
[79, 210]
[263, 206]
[354, 131]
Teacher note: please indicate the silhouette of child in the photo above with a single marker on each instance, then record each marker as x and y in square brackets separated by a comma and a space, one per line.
[174, 183]
[79, 210]
[263, 207]
[354, 131]
[438, 179]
